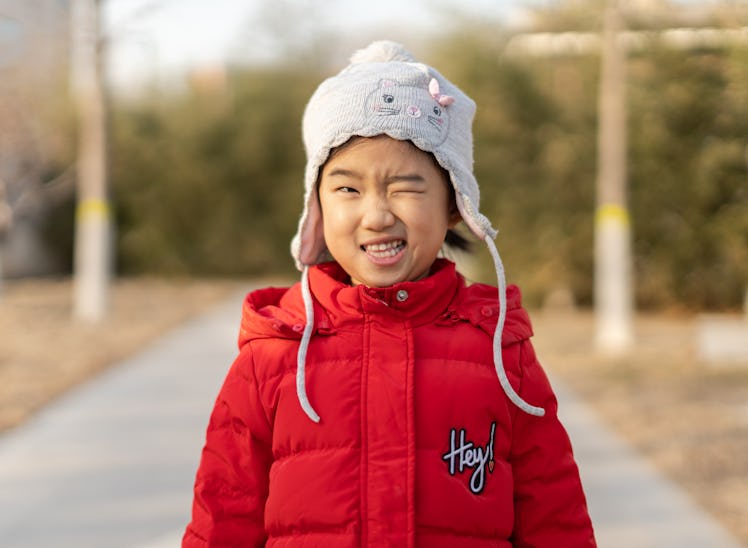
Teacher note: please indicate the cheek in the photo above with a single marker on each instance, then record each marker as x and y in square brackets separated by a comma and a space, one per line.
[335, 217]
[435, 212]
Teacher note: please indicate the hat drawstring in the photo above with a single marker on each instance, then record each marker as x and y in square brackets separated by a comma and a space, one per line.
[306, 337]
[497, 357]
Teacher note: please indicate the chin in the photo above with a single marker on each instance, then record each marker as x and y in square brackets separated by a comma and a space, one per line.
[381, 281]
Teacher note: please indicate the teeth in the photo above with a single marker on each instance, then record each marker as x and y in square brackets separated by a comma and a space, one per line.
[388, 249]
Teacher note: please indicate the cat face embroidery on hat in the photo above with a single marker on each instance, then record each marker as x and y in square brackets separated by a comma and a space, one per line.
[408, 106]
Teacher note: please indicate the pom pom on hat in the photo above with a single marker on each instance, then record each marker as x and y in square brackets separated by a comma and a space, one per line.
[382, 51]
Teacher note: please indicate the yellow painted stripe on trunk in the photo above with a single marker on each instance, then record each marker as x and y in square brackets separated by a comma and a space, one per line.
[89, 209]
[612, 212]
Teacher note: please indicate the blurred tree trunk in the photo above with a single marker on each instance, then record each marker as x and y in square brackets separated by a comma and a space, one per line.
[613, 294]
[92, 261]
[6, 216]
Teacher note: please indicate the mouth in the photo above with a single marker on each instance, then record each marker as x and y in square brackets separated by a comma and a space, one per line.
[384, 250]
[436, 122]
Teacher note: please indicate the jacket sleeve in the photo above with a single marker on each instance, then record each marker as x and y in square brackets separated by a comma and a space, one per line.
[550, 506]
[231, 486]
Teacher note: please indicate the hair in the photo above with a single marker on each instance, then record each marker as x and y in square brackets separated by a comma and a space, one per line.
[453, 238]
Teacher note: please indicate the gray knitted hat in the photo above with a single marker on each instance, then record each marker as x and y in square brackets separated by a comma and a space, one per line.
[385, 91]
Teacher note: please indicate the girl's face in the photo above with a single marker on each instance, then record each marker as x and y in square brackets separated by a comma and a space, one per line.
[385, 210]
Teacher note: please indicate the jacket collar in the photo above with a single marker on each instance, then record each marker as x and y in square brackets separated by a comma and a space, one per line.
[419, 301]
[279, 312]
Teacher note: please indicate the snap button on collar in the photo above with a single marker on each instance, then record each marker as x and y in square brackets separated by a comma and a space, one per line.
[401, 295]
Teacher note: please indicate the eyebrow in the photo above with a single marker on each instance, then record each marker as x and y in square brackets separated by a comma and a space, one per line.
[411, 178]
[340, 172]
[407, 177]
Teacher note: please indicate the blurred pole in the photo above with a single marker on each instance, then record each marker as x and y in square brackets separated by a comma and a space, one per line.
[92, 267]
[613, 294]
[6, 217]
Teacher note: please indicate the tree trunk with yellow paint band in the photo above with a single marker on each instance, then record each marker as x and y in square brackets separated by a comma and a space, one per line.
[93, 232]
[613, 294]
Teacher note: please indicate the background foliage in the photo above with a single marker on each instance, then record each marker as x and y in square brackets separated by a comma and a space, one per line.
[208, 182]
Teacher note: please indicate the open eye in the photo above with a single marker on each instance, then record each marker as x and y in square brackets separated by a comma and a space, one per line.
[388, 98]
[346, 190]
[437, 111]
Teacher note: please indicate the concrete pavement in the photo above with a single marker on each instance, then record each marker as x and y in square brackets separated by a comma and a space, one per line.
[631, 504]
[111, 464]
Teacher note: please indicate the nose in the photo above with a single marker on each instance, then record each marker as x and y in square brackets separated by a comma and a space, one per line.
[377, 214]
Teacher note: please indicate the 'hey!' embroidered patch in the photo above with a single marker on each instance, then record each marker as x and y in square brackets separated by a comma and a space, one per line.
[464, 454]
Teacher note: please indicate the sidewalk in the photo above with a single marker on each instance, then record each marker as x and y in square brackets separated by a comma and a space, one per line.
[631, 504]
[111, 464]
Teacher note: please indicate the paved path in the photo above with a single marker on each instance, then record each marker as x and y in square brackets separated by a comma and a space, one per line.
[631, 504]
[111, 463]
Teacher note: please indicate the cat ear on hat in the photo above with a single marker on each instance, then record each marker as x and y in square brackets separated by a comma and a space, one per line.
[443, 100]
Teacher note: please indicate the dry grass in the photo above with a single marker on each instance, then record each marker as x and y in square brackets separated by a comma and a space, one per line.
[44, 352]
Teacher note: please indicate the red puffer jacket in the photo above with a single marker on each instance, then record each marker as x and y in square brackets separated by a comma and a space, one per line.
[417, 444]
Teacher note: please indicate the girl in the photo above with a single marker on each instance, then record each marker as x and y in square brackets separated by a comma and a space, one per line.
[381, 401]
